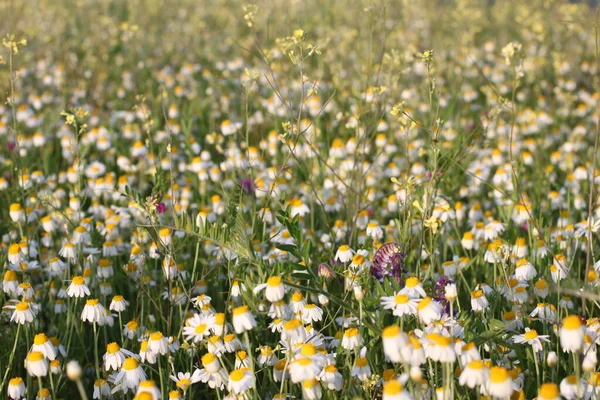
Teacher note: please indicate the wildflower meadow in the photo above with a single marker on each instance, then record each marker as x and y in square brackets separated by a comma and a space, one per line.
[299, 199]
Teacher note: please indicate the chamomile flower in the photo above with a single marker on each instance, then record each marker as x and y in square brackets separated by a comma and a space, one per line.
[474, 374]
[500, 383]
[571, 334]
[184, 380]
[243, 320]
[352, 339]
[36, 364]
[147, 390]
[344, 254]
[23, 313]
[42, 344]
[393, 390]
[525, 271]
[532, 338]
[311, 390]
[429, 310]
[158, 343]
[198, 327]
[331, 378]
[118, 304]
[311, 313]
[479, 303]
[548, 391]
[240, 381]
[16, 388]
[303, 369]
[361, 370]
[129, 377]
[115, 356]
[213, 373]
[413, 288]
[401, 304]
[572, 387]
[10, 282]
[78, 288]
[94, 312]
[274, 289]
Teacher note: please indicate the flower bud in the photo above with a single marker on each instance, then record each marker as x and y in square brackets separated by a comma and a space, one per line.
[358, 293]
[415, 374]
[73, 370]
[450, 292]
[552, 359]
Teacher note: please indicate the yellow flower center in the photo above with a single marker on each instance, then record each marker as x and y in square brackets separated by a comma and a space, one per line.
[476, 364]
[530, 335]
[401, 299]
[130, 364]
[549, 391]
[292, 324]
[304, 362]
[274, 281]
[78, 280]
[498, 375]
[35, 356]
[22, 306]
[240, 310]
[522, 262]
[358, 259]
[132, 325]
[308, 349]
[164, 232]
[15, 381]
[103, 263]
[330, 368]
[412, 282]
[392, 387]
[10, 276]
[541, 284]
[351, 332]
[391, 331]
[424, 303]
[14, 249]
[237, 375]
[201, 328]
[184, 383]
[112, 348]
[208, 358]
[156, 336]
[572, 322]
[40, 339]
[91, 302]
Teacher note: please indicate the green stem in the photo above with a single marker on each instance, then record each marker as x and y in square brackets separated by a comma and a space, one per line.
[96, 351]
[10, 361]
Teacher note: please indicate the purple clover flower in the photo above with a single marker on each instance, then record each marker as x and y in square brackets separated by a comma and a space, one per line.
[247, 185]
[389, 261]
[439, 292]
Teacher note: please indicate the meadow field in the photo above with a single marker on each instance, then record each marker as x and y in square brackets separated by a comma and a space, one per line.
[311, 199]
